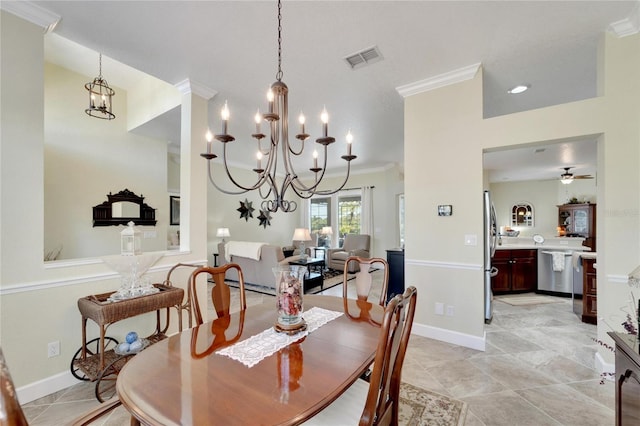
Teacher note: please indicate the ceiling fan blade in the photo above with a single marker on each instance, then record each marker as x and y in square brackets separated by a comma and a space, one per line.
[583, 177]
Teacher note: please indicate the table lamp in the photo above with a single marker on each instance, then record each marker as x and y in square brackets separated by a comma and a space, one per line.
[302, 235]
[223, 233]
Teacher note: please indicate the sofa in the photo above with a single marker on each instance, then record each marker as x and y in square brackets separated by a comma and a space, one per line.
[256, 271]
[354, 245]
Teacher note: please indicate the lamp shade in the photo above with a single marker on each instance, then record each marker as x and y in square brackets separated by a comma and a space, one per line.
[301, 234]
[223, 233]
[326, 230]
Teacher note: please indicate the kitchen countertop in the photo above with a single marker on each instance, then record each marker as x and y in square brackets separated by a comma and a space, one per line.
[542, 246]
[550, 243]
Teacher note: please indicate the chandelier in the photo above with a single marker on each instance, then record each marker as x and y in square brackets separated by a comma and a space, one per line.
[277, 117]
[100, 95]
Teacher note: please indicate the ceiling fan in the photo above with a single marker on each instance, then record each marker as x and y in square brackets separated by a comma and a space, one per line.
[567, 177]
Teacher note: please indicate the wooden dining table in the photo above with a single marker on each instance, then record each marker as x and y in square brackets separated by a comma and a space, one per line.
[183, 381]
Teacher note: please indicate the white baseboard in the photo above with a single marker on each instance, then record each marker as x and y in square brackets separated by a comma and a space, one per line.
[450, 336]
[602, 366]
[45, 387]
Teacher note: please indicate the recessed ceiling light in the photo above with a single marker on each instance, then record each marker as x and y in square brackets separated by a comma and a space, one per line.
[518, 89]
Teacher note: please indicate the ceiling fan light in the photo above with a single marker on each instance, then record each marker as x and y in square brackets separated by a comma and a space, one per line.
[566, 179]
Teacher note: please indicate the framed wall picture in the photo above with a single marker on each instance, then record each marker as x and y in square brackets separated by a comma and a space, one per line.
[174, 210]
[445, 210]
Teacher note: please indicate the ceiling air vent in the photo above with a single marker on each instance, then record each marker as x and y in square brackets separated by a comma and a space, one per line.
[363, 57]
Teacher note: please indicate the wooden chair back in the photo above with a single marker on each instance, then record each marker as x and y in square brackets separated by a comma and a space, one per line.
[363, 279]
[383, 397]
[171, 280]
[220, 293]
[12, 414]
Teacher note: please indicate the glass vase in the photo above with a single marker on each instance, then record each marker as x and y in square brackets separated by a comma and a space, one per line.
[289, 290]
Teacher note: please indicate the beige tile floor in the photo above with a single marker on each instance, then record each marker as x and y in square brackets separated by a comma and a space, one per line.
[537, 370]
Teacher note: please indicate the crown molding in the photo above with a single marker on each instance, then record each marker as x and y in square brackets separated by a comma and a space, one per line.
[628, 26]
[187, 86]
[435, 82]
[33, 13]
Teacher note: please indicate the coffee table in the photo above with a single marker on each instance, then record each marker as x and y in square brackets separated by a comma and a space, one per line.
[313, 277]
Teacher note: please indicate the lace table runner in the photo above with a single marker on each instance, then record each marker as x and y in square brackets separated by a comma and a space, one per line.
[256, 348]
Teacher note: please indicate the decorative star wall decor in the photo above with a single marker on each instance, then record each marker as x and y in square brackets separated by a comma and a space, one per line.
[246, 209]
[265, 218]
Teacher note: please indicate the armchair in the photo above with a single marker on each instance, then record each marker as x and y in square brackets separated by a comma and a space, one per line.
[354, 245]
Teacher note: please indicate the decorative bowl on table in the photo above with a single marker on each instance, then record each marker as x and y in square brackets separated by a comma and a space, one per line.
[133, 348]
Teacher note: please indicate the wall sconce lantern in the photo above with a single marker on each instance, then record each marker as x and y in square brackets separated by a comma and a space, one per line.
[130, 241]
[100, 95]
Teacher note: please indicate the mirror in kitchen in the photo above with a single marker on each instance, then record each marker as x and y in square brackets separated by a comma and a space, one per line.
[522, 215]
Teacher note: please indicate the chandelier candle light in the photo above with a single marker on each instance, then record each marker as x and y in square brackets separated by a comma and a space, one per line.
[277, 117]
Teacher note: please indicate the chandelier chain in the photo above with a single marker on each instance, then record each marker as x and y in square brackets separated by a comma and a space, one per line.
[279, 73]
[272, 193]
[100, 66]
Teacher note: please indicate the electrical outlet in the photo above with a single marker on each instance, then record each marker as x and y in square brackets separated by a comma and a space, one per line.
[439, 308]
[53, 349]
[449, 310]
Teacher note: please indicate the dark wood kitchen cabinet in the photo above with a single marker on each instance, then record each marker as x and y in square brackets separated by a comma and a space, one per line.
[517, 271]
[578, 220]
[589, 291]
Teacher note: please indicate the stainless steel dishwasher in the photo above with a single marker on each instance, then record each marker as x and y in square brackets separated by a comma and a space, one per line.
[556, 282]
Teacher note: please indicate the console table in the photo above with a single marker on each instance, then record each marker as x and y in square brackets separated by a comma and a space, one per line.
[627, 378]
[104, 313]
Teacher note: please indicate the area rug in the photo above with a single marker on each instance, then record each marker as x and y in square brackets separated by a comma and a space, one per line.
[422, 407]
[528, 300]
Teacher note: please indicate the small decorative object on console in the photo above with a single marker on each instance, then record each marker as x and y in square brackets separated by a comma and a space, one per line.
[131, 242]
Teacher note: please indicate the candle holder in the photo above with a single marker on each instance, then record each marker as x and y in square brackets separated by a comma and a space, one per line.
[289, 305]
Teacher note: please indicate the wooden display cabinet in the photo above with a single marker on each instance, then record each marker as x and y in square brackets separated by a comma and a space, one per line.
[579, 220]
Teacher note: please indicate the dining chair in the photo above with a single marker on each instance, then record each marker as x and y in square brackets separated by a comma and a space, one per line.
[363, 279]
[376, 402]
[170, 281]
[11, 413]
[220, 293]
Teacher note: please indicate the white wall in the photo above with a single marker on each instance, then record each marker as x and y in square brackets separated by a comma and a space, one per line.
[447, 124]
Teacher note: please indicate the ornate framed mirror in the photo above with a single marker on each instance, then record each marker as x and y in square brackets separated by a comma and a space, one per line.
[122, 208]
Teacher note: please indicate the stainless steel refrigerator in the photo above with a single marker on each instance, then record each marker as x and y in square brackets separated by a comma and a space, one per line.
[490, 238]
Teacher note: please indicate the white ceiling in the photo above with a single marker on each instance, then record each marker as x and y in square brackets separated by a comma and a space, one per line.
[230, 47]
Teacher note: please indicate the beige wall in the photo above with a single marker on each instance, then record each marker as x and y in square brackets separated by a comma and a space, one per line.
[87, 158]
[445, 126]
[544, 196]
[38, 301]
